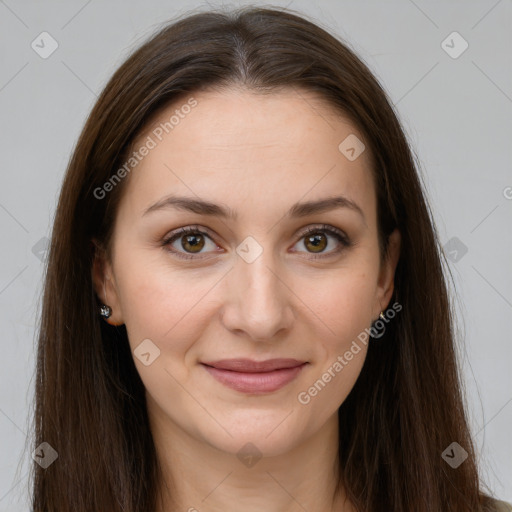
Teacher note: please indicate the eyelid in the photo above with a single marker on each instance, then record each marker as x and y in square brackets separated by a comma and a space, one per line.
[324, 227]
[192, 228]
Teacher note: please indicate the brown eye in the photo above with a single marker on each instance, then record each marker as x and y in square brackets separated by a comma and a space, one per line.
[317, 239]
[187, 242]
[316, 242]
[192, 243]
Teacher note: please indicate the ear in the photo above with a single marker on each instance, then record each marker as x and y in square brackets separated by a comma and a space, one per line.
[386, 282]
[105, 285]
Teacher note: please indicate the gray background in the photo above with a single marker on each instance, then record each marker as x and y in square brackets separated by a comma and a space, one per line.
[456, 111]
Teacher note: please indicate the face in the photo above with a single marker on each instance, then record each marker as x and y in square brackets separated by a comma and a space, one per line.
[259, 274]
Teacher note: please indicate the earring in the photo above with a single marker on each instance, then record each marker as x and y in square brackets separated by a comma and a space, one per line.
[105, 311]
[380, 317]
[376, 332]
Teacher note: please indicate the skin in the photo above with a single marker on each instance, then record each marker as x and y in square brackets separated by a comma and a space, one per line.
[257, 155]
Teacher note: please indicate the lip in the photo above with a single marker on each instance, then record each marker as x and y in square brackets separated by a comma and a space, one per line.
[248, 376]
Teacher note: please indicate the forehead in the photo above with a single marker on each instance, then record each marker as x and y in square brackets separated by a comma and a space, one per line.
[247, 149]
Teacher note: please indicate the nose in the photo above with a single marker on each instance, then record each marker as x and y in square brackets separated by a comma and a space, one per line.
[258, 300]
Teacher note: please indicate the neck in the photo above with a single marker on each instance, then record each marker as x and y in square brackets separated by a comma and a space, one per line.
[197, 476]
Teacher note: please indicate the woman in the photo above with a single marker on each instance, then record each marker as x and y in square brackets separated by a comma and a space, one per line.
[245, 305]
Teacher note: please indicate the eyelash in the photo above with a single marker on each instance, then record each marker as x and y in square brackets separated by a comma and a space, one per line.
[325, 228]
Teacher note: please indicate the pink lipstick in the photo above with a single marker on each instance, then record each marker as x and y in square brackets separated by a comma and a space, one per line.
[248, 376]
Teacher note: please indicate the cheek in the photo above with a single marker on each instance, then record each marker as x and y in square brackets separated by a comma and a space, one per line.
[342, 302]
[170, 309]
[343, 309]
[163, 304]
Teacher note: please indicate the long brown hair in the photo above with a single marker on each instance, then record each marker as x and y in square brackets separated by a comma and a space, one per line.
[406, 407]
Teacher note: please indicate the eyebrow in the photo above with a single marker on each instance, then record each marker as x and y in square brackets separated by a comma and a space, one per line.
[202, 207]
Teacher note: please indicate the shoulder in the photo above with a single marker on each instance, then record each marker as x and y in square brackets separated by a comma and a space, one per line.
[502, 506]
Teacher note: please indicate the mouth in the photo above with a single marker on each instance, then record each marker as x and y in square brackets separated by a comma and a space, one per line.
[255, 377]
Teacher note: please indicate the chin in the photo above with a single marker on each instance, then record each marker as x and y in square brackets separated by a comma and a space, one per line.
[255, 444]
[265, 433]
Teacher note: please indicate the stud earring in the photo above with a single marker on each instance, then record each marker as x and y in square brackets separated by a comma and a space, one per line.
[105, 311]
[375, 331]
[380, 317]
